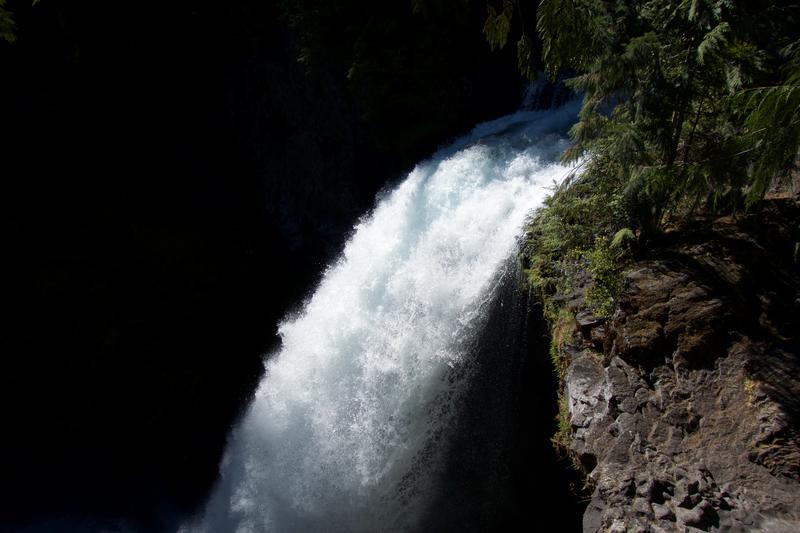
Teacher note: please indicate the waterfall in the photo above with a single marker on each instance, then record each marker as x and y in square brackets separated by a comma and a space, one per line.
[350, 425]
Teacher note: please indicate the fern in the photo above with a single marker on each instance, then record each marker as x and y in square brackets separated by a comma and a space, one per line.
[498, 25]
[622, 236]
[772, 124]
[573, 32]
[525, 61]
[713, 41]
[7, 25]
[641, 48]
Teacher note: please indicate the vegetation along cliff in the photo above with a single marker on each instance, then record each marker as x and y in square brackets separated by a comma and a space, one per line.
[667, 265]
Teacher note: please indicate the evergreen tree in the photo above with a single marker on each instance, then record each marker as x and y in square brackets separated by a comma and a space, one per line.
[682, 100]
[772, 124]
[498, 29]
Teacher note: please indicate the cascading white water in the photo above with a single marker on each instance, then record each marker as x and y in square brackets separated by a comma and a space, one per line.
[349, 424]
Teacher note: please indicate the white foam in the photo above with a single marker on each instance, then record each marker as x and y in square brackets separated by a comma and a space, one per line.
[342, 435]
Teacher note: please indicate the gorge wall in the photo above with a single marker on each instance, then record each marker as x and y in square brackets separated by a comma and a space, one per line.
[683, 405]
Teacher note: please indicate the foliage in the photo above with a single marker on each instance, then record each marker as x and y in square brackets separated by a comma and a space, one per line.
[622, 238]
[572, 32]
[750, 389]
[563, 437]
[772, 122]
[562, 328]
[499, 27]
[8, 27]
[562, 237]
[603, 264]
[693, 101]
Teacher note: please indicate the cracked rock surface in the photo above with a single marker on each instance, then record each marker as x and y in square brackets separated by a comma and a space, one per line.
[684, 405]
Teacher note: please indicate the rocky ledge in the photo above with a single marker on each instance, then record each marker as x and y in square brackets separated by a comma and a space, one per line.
[684, 404]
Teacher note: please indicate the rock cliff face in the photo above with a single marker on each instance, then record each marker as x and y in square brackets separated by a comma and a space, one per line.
[684, 405]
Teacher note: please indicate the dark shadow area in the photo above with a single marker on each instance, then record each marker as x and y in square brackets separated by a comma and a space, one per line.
[173, 180]
[502, 471]
[747, 263]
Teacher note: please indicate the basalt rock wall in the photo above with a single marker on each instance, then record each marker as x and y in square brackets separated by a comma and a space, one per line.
[684, 406]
